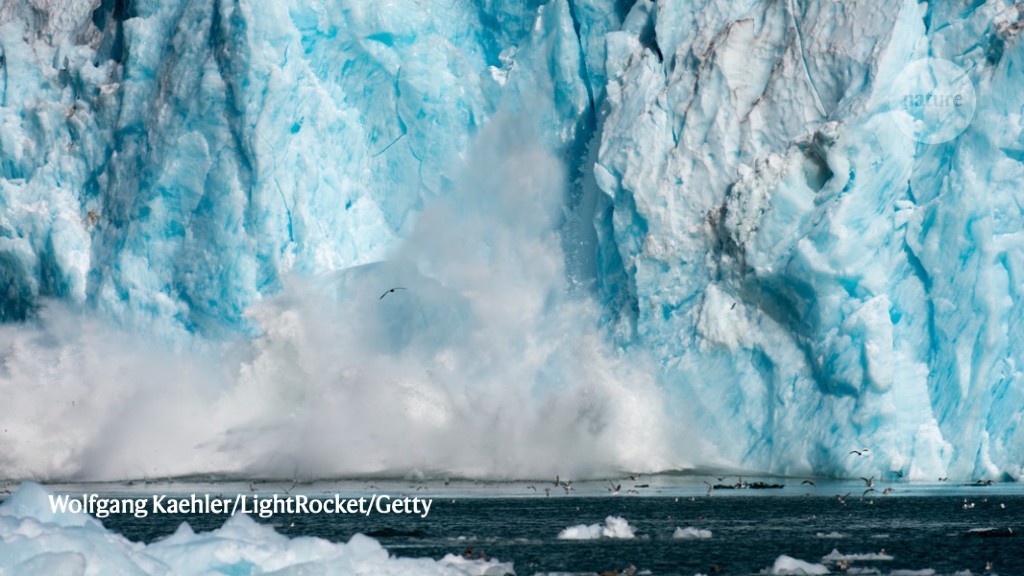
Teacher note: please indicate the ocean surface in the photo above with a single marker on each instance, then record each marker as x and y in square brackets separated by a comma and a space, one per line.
[679, 527]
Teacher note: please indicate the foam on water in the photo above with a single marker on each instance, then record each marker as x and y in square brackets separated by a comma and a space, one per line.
[837, 556]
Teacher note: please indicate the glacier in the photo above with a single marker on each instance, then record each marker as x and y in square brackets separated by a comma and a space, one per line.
[634, 235]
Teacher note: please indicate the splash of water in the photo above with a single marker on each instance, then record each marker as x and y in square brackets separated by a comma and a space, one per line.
[480, 363]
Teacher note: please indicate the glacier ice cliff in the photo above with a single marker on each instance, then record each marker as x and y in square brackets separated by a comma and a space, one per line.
[619, 222]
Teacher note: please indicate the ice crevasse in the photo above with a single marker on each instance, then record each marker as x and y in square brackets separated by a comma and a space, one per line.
[719, 196]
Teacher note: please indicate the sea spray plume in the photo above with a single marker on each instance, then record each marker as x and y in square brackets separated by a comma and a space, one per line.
[83, 399]
[486, 366]
[488, 347]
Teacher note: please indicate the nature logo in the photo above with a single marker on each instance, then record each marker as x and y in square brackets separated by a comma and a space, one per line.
[933, 100]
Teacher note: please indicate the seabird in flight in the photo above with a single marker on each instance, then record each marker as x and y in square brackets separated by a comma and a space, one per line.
[386, 292]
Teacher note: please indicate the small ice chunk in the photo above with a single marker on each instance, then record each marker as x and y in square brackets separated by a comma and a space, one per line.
[500, 75]
[691, 533]
[789, 566]
[614, 527]
[477, 567]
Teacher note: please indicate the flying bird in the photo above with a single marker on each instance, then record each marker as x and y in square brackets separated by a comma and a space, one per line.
[860, 452]
[386, 292]
[809, 482]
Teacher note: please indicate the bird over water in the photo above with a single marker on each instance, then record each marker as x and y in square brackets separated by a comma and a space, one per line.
[390, 290]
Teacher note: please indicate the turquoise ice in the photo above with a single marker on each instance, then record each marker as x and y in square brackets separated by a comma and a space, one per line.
[634, 236]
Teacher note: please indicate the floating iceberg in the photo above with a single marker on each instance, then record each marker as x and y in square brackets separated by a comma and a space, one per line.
[614, 527]
[691, 533]
[789, 566]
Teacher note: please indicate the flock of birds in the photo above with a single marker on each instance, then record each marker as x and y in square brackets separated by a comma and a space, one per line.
[613, 487]
[616, 487]
[871, 485]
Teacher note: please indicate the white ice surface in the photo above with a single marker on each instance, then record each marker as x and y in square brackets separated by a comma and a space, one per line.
[36, 541]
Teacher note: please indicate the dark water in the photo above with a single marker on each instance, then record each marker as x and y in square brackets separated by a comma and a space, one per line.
[748, 532]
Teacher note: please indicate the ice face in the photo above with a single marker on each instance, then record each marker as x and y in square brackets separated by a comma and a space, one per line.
[814, 278]
[791, 226]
